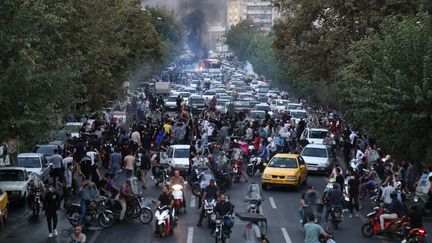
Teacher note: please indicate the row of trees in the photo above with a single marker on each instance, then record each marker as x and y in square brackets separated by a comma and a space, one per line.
[57, 55]
[371, 59]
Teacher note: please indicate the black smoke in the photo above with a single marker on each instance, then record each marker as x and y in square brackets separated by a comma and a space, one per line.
[195, 24]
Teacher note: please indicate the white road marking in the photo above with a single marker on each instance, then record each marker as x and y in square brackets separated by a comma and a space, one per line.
[261, 210]
[190, 235]
[286, 236]
[192, 203]
[272, 202]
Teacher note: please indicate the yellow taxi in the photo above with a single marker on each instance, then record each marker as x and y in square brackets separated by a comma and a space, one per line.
[285, 170]
[4, 204]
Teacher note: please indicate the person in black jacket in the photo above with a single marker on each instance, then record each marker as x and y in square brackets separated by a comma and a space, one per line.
[51, 206]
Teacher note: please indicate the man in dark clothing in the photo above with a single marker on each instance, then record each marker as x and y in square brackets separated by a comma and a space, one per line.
[165, 199]
[353, 191]
[145, 166]
[334, 198]
[224, 208]
[51, 204]
[210, 192]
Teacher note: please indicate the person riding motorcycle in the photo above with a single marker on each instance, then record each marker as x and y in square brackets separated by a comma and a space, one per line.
[210, 192]
[393, 211]
[177, 179]
[87, 194]
[313, 230]
[308, 202]
[165, 199]
[125, 196]
[334, 198]
[225, 208]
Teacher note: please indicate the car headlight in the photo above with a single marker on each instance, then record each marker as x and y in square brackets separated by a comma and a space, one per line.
[292, 177]
[266, 176]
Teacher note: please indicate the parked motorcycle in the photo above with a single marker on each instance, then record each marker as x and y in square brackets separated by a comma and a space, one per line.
[96, 211]
[163, 221]
[393, 228]
[135, 208]
[255, 165]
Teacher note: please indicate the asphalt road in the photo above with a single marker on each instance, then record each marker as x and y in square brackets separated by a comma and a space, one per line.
[280, 207]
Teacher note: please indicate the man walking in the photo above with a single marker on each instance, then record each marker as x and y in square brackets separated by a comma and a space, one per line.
[51, 206]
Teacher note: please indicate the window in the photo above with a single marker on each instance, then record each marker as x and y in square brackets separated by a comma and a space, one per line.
[301, 161]
[29, 162]
[181, 153]
[283, 163]
[314, 152]
[12, 175]
[318, 134]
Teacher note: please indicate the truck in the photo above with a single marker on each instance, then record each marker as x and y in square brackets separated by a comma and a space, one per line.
[163, 88]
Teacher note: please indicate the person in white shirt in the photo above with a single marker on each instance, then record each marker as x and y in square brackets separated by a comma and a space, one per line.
[386, 192]
[251, 233]
[68, 159]
[359, 154]
[92, 153]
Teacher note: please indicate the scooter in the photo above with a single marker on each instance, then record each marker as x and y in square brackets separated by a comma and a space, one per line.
[255, 164]
[163, 221]
[393, 228]
[415, 235]
[162, 176]
[209, 215]
[178, 198]
[220, 233]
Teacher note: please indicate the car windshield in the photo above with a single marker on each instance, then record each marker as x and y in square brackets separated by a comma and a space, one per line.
[283, 163]
[12, 175]
[298, 114]
[318, 134]
[294, 106]
[172, 99]
[72, 128]
[45, 150]
[282, 102]
[29, 162]
[314, 152]
[198, 101]
[262, 108]
[257, 115]
[181, 153]
[209, 93]
[185, 95]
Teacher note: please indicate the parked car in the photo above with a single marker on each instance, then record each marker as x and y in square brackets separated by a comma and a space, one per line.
[196, 103]
[35, 162]
[318, 157]
[263, 107]
[296, 115]
[314, 135]
[47, 150]
[14, 181]
[171, 102]
[285, 170]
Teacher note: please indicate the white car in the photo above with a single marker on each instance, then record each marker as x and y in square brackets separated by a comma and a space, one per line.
[297, 115]
[177, 157]
[263, 107]
[14, 181]
[221, 105]
[171, 102]
[36, 163]
[209, 94]
[318, 158]
[314, 135]
[280, 105]
[185, 95]
[294, 106]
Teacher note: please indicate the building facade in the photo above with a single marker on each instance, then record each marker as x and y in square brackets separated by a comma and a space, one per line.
[262, 13]
[236, 12]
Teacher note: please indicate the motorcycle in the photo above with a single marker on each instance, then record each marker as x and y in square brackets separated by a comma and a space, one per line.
[221, 234]
[393, 228]
[209, 215]
[254, 197]
[162, 174]
[415, 235]
[163, 221]
[135, 209]
[255, 165]
[337, 217]
[35, 201]
[236, 172]
[96, 211]
[178, 197]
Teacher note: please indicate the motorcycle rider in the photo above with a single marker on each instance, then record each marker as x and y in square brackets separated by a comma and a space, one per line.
[308, 201]
[334, 198]
[177, 179]
[225, 208]
[165, 199]
[87, 194]
[125, 196]
[393, 211]
[210, 192]
[313, 230]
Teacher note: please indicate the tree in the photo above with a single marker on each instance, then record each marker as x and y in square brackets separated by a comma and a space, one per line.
[386, 88]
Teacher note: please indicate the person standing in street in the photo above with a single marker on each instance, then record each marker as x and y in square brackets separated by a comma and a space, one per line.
[57, 165]
[251, 233]
[115, 163]
[129, 162]
[51, 206]
[145, 166]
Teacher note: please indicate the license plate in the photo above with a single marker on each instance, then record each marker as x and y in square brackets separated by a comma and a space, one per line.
[312, 168]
